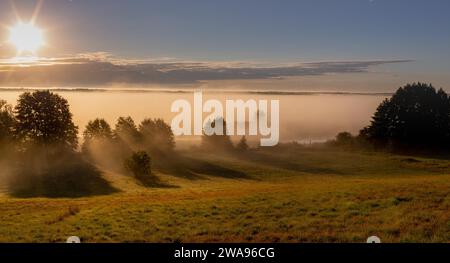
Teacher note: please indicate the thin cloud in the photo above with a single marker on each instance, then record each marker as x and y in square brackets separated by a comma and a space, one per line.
[102, 68]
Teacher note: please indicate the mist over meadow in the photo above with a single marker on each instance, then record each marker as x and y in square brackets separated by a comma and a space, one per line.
[304, 117]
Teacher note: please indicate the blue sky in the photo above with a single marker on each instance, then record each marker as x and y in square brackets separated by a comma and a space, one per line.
[248, 30]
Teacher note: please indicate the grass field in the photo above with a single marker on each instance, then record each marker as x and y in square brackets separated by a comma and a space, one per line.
[292, 195]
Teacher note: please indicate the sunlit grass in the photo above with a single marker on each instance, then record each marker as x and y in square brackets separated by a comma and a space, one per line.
[301, 196]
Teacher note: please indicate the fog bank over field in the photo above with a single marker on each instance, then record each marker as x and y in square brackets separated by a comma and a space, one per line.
[304, 116]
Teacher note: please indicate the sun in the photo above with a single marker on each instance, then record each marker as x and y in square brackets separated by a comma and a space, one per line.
[26, 37]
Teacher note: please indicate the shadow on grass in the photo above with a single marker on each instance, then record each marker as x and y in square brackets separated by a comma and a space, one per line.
[282, 161]
[194, 169]
[69, 176]
[438, 155]
[154, 182]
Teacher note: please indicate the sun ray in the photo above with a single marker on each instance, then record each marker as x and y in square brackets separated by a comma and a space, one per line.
[36, 11]
[14, 9]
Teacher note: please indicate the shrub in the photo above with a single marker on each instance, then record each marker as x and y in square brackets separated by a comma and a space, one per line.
[139, 164]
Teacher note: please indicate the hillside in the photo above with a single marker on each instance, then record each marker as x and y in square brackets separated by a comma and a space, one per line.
[295, 195]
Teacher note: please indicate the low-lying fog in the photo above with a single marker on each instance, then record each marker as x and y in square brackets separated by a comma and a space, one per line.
[303, 117]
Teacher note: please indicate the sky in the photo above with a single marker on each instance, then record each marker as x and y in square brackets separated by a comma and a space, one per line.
[411, 36]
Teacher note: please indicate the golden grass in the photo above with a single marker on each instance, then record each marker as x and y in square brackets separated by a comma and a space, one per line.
[301, 195]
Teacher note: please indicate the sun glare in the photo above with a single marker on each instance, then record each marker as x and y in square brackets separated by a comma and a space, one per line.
[26, 37]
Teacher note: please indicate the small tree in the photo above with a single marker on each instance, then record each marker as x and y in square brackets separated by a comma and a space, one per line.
[126, 130]
[7, 122]
[157, 136]
[139, 164]
[217, 141]
[242, 146]
[97, 135]
[344, 138]
[44, 118]
[97, 129]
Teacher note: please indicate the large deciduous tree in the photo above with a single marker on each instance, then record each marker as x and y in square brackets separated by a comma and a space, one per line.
[416, 115]
[44, 118]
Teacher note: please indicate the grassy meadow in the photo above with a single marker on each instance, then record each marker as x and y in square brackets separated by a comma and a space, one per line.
[297, 194]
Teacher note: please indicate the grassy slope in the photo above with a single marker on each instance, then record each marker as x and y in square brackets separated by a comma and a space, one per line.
[302, 195]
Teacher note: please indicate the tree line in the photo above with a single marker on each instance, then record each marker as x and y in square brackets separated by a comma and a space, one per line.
[40, 134]
[415, 117]
[40, 128]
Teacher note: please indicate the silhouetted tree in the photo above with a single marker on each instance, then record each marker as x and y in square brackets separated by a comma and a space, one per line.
[217, 141]
[97, 129]
[157, 136]
[242, 146]
[44, 118]
[7, 123]
[416, 115]
[127, 131]
[344, 138]
[49, 165]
